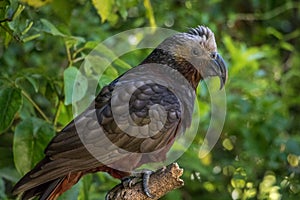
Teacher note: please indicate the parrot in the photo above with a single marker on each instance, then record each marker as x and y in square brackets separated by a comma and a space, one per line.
[134, 120]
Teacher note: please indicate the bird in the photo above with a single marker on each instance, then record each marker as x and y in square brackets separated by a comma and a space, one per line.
[134, 120]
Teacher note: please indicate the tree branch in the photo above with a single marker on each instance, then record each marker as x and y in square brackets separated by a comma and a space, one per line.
[160, 183]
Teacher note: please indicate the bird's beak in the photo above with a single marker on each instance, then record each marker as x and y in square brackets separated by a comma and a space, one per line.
[224, 73]
[217, 67]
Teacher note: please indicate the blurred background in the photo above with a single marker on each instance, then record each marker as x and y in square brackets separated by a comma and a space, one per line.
[43, 43]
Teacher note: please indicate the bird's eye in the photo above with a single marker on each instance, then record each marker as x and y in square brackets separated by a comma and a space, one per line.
[195, 51]
[213, 55]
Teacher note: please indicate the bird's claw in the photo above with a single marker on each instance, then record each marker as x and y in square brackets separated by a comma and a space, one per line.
[144, 177]
[145, 180]
[129, 182]
[113, 194]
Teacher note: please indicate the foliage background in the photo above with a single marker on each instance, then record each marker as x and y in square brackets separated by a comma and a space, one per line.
[42, 43]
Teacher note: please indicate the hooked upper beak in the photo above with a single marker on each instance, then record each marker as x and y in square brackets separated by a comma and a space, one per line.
[217, 67]
[224, 73]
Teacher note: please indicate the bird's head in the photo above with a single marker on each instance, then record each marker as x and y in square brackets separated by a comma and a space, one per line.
[198, 48]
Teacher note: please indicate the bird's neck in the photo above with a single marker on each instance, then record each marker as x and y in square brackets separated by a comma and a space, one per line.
[163, 57]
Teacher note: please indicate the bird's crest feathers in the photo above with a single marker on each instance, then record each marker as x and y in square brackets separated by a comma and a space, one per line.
[207, 38]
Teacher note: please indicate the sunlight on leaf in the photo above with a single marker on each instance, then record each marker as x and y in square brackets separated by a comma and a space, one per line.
[36, 3]
[104, 8]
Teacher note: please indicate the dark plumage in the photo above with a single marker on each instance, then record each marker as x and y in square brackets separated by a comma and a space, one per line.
[193, 55]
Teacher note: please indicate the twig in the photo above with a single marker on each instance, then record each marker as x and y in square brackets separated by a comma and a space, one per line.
[68, 54]
[5, 20]
[35, 106]
[57, 111]
[160, 183]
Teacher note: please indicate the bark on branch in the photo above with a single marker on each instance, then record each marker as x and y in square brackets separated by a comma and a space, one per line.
[160, 183]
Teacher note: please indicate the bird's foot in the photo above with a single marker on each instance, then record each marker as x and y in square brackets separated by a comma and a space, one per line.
[143, 176]
[129, 182]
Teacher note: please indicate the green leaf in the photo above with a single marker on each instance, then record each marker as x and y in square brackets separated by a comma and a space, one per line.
[51, 29]
[48, 27]
[122, 8]
[33, 82]
[123, 64]
[104, 8]
[27, 109]
[112, 72]
[28, 27]
[32, 37]
[91, 44]
[105, 80]
[36, 3]
[86, 183]
[287, 46]
[274, 32]
[75, 85]
[65, 115]
[10, 103]
[18, 11]
[30, 139]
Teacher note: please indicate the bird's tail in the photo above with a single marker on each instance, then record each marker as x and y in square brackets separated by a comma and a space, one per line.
[46, 191]
[43, 186]
[51, 189]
